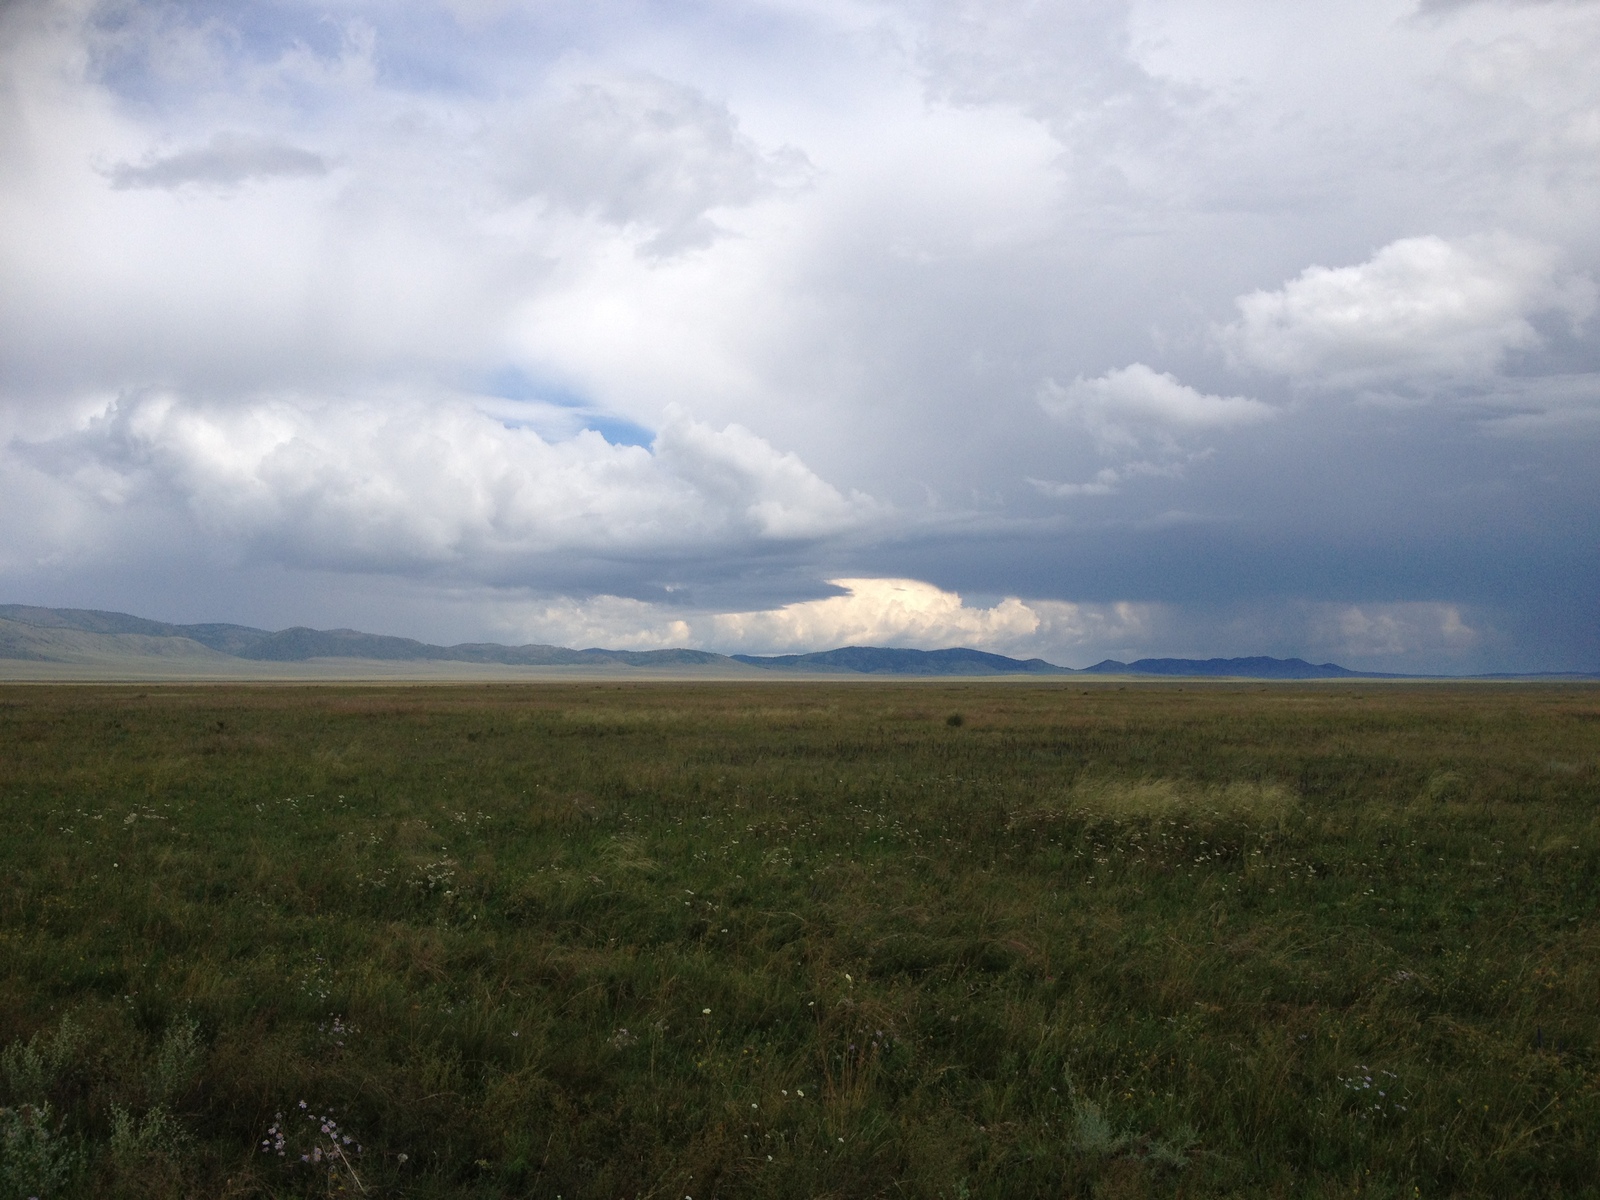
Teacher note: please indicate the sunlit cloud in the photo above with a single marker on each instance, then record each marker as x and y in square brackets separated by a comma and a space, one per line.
[866, 612]
[398, 484]
[1420, 308]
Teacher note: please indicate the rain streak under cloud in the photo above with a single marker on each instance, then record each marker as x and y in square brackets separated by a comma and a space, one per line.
[1072, 330]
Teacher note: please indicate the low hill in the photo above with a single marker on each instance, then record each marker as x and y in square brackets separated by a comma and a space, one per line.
[225, 639]
[22, 642]
[82, 635]
[1257, 667]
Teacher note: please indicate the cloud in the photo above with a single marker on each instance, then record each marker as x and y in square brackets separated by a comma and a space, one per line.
[1393, 632]
[1446, 6]
[227, 160]
[642, 152]
[1122, 407]
[869, 611]
[1420, 308]
[1420, 636]
[606, 622]
[881, 612]
[1104, 483]
[409, 486]
[1108, 481]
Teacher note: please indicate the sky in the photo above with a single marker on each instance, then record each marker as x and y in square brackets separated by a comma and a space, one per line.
[1067, 329]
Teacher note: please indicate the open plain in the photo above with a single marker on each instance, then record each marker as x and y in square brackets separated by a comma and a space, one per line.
[586, 939]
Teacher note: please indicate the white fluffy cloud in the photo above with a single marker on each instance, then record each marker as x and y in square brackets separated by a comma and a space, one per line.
[1416, 636]
[1420, 307]
[868, 612]
[641, 153]
[404, 484]
[882, 612]
[1146, 419]
[1120, 402]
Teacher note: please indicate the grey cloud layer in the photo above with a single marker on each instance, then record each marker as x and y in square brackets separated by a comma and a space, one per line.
[1089, 303]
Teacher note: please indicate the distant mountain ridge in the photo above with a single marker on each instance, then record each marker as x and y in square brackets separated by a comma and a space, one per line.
[91, 636]
[1255, 667]
[301, 644]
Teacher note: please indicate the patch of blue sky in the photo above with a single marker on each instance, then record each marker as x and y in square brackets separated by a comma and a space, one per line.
[513, 383]
[415, 48]
[555, 411]
[130, 59]
[619, 431]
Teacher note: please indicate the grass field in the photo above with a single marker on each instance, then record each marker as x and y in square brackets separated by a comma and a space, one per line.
[800, 940]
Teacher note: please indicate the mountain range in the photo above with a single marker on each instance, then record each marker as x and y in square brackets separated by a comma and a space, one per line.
[92, 638]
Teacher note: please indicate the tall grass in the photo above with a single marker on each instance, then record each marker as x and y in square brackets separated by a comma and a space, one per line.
[733, 940]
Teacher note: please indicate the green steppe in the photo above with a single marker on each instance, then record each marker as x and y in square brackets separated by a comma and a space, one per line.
[800, 940]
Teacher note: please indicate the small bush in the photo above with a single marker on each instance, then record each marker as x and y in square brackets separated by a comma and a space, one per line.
[36, 1158]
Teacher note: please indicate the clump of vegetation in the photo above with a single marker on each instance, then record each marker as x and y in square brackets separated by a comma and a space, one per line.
[797, 940]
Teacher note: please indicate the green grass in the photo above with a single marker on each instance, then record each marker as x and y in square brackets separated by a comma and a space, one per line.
[801, 940]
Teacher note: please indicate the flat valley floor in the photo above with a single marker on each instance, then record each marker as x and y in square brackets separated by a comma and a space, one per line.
[797, 940]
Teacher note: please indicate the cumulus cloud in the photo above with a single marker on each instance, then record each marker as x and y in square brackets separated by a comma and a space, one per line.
[606, 622]
[867, 612]
[1421, 636]
[1146, 419]
[404, 485]
[881, 612]
[642, 152]
[1420, 307]
[1116, 406]
[226, 160]
[1392, 632]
